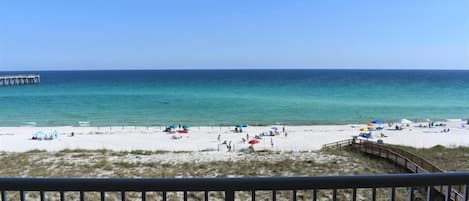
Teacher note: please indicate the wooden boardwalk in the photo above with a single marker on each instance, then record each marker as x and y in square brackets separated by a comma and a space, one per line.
[400, 157]
[12, 80]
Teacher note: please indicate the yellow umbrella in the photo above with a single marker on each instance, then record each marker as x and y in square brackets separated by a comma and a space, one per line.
[428, 120]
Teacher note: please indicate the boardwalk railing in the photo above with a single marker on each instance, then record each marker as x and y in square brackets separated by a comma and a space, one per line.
[405, 159]
[232, 185]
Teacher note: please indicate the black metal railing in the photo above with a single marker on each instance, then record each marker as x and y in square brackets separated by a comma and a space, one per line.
[230, 186]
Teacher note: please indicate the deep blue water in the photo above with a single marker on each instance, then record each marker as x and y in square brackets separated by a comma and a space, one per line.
[214, 97]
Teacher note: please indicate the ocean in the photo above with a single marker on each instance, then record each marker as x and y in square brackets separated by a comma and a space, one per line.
[228, 97]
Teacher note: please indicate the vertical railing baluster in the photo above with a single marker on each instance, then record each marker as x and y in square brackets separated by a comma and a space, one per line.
[144, 196]
[42, 195]
[448, 193]
[82, 196]
[4, 196]
[206, 195]
[164, 196]
[274, 195]
[253, 195]
[229, 195]
[294, 195]
[62, 196]
[466, 192]
[22, 195]
[185, 195]
[373, 194]
[315, 195]
[102, 196]
[122, 195]
[411, 193]
[429, 193]
[334, 194]
[354, 194]
[393, 194]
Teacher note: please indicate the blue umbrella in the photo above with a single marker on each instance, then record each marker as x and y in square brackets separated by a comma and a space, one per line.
[173, 126]
[186, 126]
[377, 122]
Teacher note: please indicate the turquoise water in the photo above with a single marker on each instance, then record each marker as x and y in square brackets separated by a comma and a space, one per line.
[216, 97]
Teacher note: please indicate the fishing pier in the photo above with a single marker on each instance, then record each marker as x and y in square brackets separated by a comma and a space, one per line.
[12, 80]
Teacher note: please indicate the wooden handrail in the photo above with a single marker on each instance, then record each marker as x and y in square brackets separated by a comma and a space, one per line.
[410, 161]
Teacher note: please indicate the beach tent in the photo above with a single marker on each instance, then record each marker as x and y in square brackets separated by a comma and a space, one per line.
[40, 135]
[405, 121]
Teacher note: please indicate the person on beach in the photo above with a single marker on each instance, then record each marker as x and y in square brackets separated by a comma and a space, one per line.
[286, 134]
[247, 136]
[271, 142]
[283, 129]
[218, 138]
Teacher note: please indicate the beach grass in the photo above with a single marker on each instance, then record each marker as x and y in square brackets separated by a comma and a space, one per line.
[155, 164]
[164, 164]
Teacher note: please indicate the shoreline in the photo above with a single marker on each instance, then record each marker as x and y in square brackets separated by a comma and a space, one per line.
[298, 138]
[335, 123]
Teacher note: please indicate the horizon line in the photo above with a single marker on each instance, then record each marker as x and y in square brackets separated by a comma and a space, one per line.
[246, 68]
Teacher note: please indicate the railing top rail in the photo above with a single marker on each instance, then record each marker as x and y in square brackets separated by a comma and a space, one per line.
[348, 141]
[237, 184]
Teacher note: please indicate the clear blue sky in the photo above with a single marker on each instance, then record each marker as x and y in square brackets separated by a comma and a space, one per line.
[101, 34]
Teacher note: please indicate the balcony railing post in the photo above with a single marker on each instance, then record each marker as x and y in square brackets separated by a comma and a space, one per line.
[466, 192]
[411, 194]
[393, 194]
[448, 193]
[229, 195]
[62, 196]
[22, 195]
[4, 196]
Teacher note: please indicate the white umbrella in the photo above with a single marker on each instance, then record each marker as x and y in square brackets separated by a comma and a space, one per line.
[405, 121]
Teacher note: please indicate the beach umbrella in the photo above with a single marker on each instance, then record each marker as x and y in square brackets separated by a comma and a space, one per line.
[244, 125]
[239, 125]
[274, 128]
[428, 120]
[186, 126]
[254, 141]
[364, 129]
[377, 121]
[405, 121]
[173, 126]
[370, 124]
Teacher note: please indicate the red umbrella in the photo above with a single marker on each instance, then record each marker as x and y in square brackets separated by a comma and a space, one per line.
[254, 141]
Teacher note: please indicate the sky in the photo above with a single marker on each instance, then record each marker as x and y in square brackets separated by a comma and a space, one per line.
[219, 34]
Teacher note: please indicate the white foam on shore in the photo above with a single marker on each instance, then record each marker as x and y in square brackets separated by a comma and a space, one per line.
[300, 138]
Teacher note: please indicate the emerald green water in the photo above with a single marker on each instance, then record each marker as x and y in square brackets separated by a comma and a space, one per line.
[216, 97]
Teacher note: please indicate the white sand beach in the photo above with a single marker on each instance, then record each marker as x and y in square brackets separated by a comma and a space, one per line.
[299, 138]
